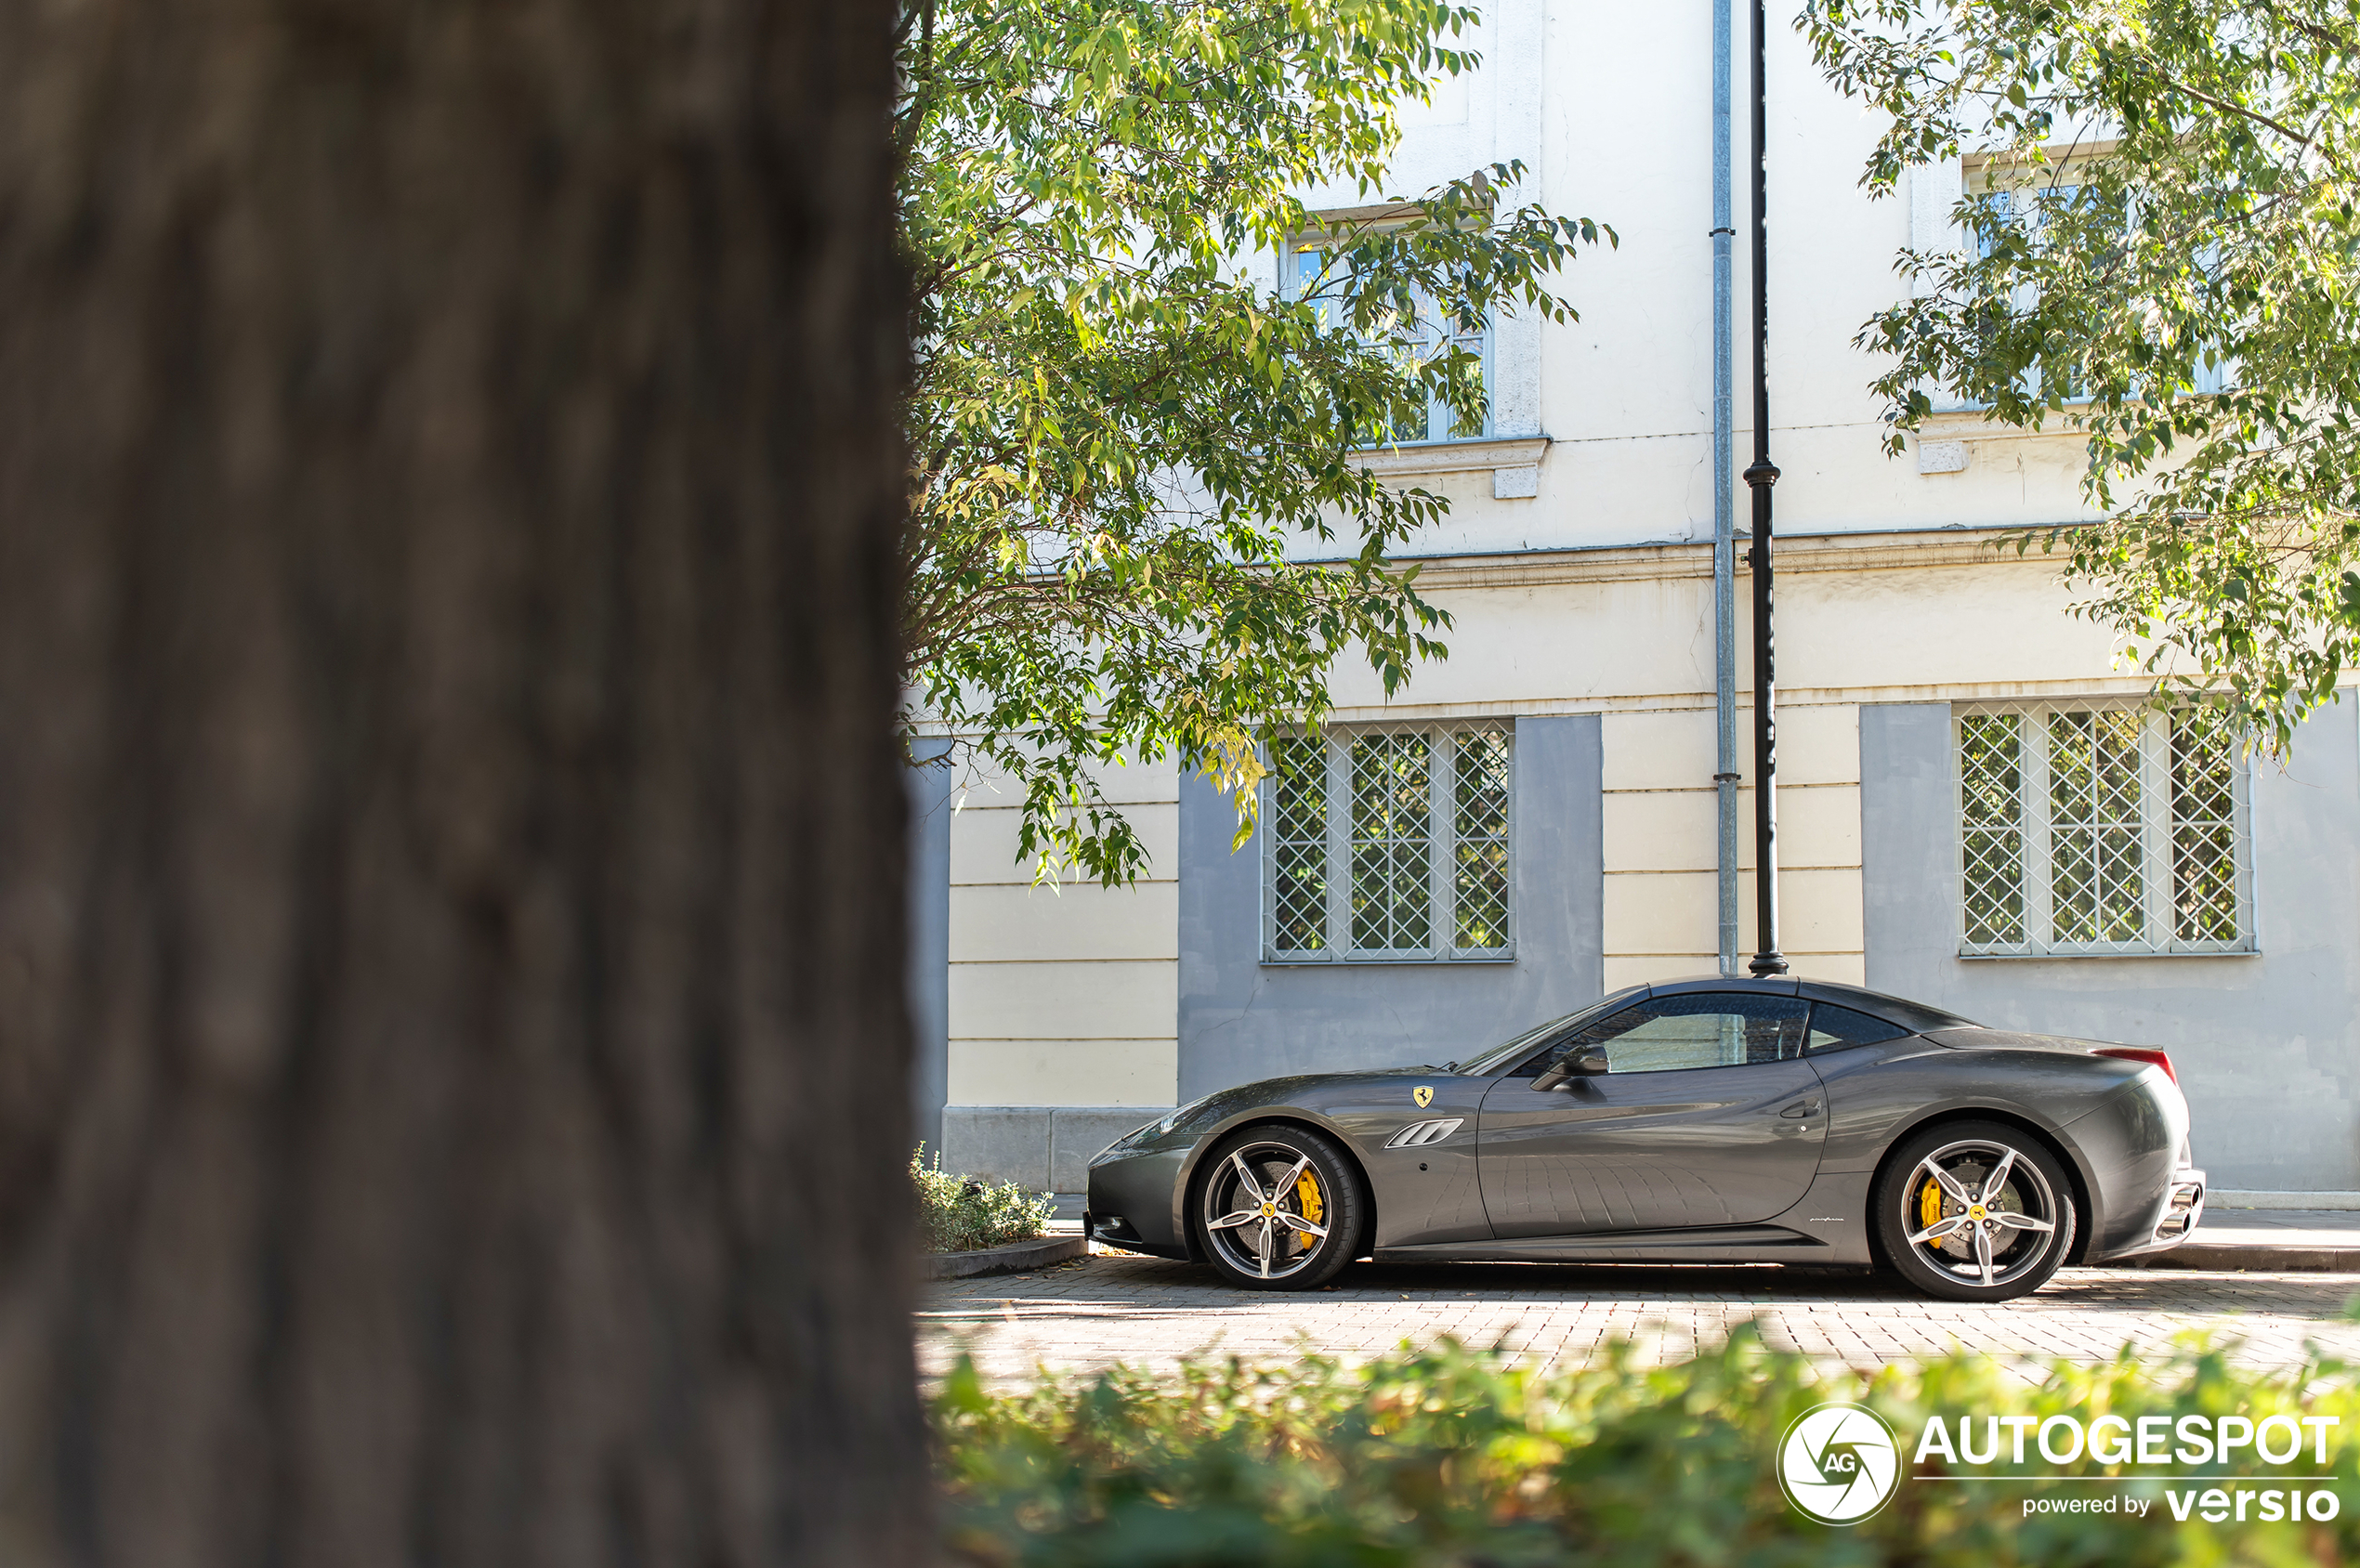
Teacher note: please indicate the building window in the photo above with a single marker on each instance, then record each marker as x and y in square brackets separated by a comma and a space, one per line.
[2012, 197]
[1390, 845]
[2100, 828]
[1427, 331]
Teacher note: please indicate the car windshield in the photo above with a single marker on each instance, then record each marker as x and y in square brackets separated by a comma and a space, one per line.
[1506, 1054]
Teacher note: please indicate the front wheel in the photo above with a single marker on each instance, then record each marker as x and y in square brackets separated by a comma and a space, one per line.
[1278, 1207]
[1975, 1211]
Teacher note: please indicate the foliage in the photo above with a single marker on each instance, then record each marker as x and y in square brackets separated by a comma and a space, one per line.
[1137, 527]
[2185, 176]
[1453, 1456]
[956, 1214]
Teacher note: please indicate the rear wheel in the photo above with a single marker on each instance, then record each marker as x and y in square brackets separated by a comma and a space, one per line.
[1278, 1207]
[1975, 1211]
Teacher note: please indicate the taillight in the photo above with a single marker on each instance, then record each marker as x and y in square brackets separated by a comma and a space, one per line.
[2141, 1053]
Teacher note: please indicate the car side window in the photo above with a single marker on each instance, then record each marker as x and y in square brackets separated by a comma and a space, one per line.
[1704, 1029]
[1834, 1028]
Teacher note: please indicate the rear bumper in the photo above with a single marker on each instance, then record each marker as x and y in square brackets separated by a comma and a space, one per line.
[2170, 1220]
[2145, 1189]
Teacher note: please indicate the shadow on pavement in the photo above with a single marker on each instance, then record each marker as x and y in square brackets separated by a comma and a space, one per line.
[1141, 1284]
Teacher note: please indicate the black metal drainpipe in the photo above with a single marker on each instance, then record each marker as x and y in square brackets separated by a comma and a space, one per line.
[1759, 475]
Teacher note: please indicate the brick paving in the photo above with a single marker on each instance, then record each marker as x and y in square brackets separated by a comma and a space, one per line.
[1097, 1311]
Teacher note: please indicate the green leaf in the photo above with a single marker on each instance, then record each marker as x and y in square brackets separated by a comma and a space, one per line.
[1139, 530]
[2187, 291]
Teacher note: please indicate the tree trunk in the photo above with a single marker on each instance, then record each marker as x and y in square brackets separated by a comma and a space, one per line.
[452, 1058]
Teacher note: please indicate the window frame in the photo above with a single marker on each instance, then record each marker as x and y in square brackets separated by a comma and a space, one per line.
[1670, 1004]
[1846, 1042]
[1984, 176]
[2158, 831]
[1714, 1004]
[1443, 838]
[1438, 413]
[1549, 1037]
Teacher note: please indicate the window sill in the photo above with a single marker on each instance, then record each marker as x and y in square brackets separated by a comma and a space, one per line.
[1514, 462]
[1972, 422]
[1386, 962]
[2108, 958]
[1969, 424]
[1945, 440]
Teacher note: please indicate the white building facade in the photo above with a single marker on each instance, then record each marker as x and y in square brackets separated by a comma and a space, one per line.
[1976, 811]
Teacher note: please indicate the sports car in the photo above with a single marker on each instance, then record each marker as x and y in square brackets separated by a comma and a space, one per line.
[1703, 1121]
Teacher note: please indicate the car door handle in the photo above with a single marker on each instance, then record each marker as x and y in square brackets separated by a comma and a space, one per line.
[1800, 1109]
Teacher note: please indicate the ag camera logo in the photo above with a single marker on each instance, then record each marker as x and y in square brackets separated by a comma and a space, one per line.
[1838, 1463]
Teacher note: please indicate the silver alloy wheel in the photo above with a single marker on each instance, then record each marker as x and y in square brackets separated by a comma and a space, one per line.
[1980, 1212]
[1256, 1213]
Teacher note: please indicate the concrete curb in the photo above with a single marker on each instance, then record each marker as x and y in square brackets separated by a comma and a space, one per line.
[1004, 1260]
[2226, 1197]
[2261, 1260]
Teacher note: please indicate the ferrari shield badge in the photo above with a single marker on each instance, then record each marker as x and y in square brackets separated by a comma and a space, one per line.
[1424, 1095]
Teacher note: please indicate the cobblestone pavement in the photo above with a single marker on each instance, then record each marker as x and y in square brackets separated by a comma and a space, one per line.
[1097, 1311]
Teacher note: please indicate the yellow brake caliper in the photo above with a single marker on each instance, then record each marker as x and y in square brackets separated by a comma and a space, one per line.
[1306, 1194]
[1929, 1209]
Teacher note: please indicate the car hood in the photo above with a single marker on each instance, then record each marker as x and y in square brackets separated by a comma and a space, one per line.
[1310, 1090]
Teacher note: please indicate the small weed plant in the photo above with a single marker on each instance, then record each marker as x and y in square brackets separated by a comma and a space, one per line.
[960, 1215]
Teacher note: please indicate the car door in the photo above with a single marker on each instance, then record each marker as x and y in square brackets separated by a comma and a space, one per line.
[1708, 1115]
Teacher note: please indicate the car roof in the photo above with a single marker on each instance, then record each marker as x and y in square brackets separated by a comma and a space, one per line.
[1915, 1016]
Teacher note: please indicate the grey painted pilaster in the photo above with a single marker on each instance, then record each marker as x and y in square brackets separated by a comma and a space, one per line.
[1241, 1020]
[1044, 1147]
[998, 1144]
[929, 935]
[2267, 1046]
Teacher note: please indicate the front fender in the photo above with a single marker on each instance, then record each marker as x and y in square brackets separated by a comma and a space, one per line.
[1186, 1179]
[1428, 1191]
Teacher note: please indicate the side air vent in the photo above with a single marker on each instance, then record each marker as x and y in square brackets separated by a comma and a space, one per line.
[1418, 1135]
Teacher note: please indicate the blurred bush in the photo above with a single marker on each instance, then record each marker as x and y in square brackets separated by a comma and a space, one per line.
[1453, 1458]
[957, 1214]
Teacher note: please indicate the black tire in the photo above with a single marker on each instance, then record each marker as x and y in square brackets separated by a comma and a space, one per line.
[1255, 1253]
[1942, 1237]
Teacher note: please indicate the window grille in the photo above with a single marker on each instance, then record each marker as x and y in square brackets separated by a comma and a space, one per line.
[1390, 843]
[2101, 828]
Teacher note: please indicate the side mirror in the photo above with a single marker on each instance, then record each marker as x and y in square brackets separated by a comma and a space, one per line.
[1590, 1064]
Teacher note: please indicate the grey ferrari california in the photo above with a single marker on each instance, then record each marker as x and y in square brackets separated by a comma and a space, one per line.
[1703, 1121]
